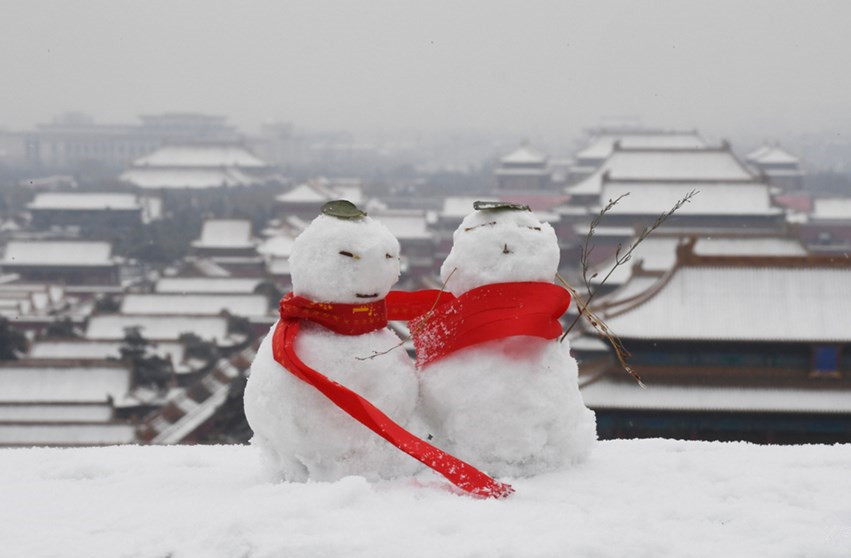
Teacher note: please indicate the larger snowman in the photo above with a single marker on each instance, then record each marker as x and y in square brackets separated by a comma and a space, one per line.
[343, 259]
[511, 405]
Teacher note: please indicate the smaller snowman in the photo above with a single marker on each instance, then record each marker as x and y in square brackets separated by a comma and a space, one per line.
[496, 386]
[342, 266]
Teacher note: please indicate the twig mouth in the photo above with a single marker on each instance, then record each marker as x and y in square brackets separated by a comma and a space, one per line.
[373, 295]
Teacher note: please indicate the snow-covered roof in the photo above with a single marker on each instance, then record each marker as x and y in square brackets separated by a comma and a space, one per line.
[405, 225]
[772, 155]
[186, 178]
[166, 327]
[189, 285]
[524, 155]
[806, 304]
[83, 349]
[85, 201]
[85, 412]
[832, 209]
[245, 305]
[665, 165]
[602, 146]
[225, 233]
[748, 246]
[66, 434]
[615, 394]
[59, 253]
[656, 254]
[87, 383]
[749, 198]
[200, 155]
[634, 286]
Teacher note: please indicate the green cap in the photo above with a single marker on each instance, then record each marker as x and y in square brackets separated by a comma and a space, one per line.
[342, 209]
[499, 206]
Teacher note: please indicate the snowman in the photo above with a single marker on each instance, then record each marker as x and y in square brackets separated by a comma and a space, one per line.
[496, 386]
[342, 267]
[320, 407]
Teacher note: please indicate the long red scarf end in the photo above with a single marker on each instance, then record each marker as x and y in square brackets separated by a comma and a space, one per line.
[461, 474]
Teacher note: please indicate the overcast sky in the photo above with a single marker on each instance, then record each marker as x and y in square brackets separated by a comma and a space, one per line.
[521, 67]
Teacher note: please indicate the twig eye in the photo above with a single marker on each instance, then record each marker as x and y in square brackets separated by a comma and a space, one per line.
[535, 228]
[388, 256]
[348, 254]
[490, 224]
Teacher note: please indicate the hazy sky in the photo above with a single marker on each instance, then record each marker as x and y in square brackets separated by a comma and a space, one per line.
[521, 67]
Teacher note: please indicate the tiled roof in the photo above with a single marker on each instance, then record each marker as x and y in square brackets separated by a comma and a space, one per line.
[225, 233]
[84, 201]
[615, 394]
[63, 383]
[164, 327]
[59, 253]
[190, 285]
[245, 305]
[740, 303]
[200, 155]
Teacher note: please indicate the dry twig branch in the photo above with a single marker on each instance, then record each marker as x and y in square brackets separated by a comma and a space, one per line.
[620, 259]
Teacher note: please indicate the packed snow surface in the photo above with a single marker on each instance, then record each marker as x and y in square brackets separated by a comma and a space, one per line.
[651, 498]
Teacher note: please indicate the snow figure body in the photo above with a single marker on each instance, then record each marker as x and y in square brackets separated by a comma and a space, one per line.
[511, 406]
[351, 261]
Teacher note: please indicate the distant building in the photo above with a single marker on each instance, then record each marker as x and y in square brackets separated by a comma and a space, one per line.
[207, 285]
[230, 245]
[64, 403]
[67, 262]
[73, 139]
[49, 349]
[524, 170]
[243, 305]
[602, 142]
[780, 167]
[92, 210]
[162, 327]
[193, 166]
[733, 348]
[828, 226]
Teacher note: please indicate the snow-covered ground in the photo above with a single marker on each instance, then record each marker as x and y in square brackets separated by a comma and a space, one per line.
[647, 498]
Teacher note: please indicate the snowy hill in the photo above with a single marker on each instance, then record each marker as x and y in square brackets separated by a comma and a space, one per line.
[646, 498]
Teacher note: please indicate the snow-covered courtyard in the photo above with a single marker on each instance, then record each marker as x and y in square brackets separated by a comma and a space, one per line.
[647, 498]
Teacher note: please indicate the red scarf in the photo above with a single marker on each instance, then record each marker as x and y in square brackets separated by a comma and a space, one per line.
[356, 319]
[482, 314]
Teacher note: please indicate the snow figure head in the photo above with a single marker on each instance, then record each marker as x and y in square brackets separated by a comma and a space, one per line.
[500, 243]
[344, 256]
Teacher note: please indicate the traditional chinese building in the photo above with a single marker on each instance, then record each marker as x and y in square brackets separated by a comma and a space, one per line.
[194, 166]
[67, 262]
[780, 167]
[733, 348]
[84, 210]
[523, 170]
